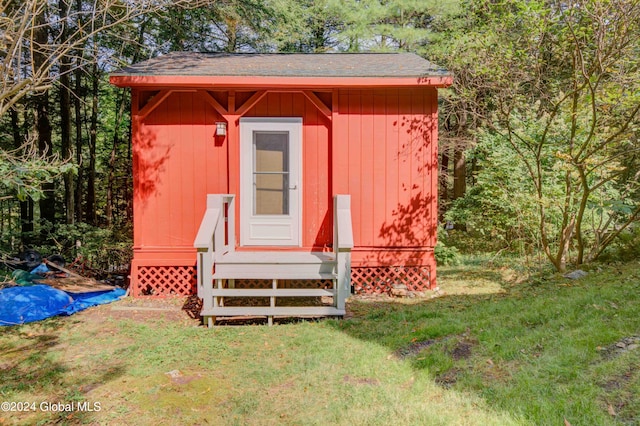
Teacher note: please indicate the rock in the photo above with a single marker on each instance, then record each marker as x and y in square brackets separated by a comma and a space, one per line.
[624, 345]
[575, 275]
[399, 290]
[174, 374]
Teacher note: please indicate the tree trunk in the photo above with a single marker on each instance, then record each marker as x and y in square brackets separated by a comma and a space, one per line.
[26, 206]
[65, 117]
[78, 123]
[563, 249]
[47, 202]
[77, 106]
[112, 159]
[459, 146]
[93, 137]
[444, 175]
[459, 172]
[111, 183]
[232, 35]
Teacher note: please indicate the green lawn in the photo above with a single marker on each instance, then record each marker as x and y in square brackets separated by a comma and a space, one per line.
[491, 350]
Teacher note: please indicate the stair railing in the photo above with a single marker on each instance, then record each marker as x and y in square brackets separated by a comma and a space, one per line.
[216, 236]
[342, 245]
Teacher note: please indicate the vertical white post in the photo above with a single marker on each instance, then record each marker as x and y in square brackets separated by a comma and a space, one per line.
[344, 278]
[205, 278]
[231, 223]
[342, 245]
[218, 301]
[272, 301]
[205, 281]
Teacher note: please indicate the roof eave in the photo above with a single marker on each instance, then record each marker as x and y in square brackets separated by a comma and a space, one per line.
[252, 82]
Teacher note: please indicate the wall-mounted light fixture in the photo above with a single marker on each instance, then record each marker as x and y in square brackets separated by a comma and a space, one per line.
[221, 128]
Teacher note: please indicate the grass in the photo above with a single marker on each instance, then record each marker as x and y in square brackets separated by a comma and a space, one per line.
[494, 349]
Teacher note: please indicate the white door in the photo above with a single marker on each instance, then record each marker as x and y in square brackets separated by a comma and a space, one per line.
[270, 181]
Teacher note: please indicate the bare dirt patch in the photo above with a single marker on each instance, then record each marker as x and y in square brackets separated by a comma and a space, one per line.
[413, 349]
[175, 309]
[462, 350]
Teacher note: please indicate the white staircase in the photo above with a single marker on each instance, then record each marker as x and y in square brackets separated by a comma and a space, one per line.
[220, 267]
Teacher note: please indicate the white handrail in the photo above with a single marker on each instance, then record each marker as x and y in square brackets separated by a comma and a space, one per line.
[215, 237]
[204, 238]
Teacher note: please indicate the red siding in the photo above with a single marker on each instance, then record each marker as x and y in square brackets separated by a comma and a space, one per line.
[385, 158]
[178, 163]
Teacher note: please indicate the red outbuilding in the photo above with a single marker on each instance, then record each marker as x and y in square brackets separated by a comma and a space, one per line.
[284, 169]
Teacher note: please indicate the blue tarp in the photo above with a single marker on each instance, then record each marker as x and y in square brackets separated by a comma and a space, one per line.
[82, 301]
[19, 305]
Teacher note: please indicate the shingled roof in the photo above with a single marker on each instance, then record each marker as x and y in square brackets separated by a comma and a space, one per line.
[393, 65]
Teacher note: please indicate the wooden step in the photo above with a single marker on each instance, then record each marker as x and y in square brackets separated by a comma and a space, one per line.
[271, 292]
[286, 311]
[276, 265]
[277, 257]
[270, 272]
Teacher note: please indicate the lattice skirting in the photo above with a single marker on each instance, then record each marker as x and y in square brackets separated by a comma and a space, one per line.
[182, 280]
[380, 279]
[163, 280]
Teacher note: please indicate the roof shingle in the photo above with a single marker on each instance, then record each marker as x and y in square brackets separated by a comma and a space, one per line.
[285, 65]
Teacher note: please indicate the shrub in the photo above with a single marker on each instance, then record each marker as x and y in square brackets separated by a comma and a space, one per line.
[102, 249]
[446, 255]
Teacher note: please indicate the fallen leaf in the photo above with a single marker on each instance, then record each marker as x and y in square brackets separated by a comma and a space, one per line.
[566, 422]
[611, 411]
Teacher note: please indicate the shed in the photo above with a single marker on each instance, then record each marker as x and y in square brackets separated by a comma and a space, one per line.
[301, 171]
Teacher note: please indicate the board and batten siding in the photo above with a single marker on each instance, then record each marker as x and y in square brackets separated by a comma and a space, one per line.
[177, 161]
[385, 157]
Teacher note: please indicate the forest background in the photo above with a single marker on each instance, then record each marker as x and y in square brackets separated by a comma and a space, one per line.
[539, 135]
